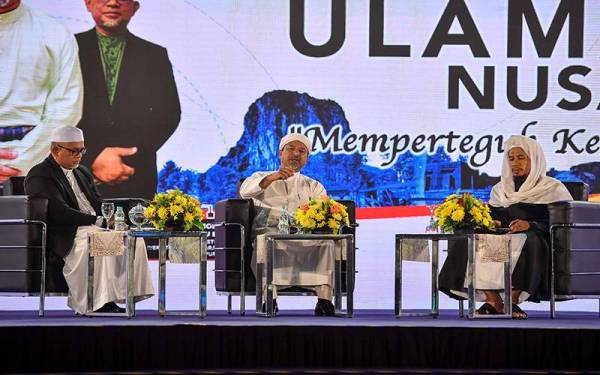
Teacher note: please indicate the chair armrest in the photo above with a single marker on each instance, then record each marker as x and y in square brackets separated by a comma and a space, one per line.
[23, 207]
[573, 213]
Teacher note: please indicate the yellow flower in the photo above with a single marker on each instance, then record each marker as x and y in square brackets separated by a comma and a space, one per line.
[150, 211]
[188, 217]
[162, 213]
[458, 214]
[175, 209]
[333, 224]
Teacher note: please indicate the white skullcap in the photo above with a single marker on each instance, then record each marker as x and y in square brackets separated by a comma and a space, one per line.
[66, 134]
[295, 137]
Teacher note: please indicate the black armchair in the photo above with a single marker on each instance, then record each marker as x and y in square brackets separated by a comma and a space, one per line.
[233, 250]
[25, 268]
[575, 248]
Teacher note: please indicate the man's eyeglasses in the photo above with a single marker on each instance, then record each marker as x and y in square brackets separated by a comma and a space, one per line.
[118, 1]
[74, 151]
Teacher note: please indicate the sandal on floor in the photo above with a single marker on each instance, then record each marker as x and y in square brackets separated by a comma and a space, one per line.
[487, 309]
[516, 309]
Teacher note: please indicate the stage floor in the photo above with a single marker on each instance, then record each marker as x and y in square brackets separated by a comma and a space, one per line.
[362, 318]
[62, 342]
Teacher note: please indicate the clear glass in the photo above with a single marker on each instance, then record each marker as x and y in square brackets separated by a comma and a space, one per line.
[137, 216]
[108, 209]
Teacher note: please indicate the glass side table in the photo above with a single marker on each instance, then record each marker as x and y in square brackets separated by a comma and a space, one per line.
[163, 237]
[266, 269]
[472, 239]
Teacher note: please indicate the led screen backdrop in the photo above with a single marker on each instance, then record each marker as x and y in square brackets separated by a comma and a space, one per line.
[405, 101]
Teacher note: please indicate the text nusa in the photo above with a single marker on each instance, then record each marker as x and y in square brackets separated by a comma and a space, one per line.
[457, 10]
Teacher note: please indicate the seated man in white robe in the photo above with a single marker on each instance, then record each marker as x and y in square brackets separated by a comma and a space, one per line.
[73, 207]
[286, 189]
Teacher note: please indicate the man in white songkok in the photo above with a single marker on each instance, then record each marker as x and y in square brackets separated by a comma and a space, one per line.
[40, 85]
[73, 207]
[285, 190]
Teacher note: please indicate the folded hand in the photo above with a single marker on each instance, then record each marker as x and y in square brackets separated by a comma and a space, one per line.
[109, 167]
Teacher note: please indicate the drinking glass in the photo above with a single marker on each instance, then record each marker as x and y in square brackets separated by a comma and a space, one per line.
[108, 209]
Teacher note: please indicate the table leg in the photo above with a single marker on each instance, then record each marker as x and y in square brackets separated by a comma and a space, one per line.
[129, 304]
[202, 275]
[162, 259]
[350, 275]
[471, 274]
[508, 281]
[269, 301]
[398, 277]
[42, 307]
[435, 296]
[337, 287]
[90, 280]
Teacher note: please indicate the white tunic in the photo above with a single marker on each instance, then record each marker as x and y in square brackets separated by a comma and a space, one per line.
[109, 271]
[40, 81]
[268, 203]
[309, 264]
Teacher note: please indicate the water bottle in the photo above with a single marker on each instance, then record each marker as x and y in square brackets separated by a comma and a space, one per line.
[120, 219]
[284, 222]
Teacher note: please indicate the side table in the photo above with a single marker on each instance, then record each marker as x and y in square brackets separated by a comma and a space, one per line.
[267, 268]
[163, 236]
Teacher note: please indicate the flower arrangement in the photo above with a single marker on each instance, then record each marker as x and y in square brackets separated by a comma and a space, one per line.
[462, 212]
[322, 214]
[175, 209]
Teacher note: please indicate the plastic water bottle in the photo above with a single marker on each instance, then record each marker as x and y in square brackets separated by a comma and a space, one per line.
[120, 219]
[284, 222]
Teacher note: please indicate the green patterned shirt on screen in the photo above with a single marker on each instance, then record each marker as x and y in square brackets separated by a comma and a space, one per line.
[111, 54]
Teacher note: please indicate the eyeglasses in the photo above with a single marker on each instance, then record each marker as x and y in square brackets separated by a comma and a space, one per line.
[76, 151]
[118, 1]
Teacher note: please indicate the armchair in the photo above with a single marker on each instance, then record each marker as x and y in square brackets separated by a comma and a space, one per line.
[25, 267]
[575, 248]
[233, 250]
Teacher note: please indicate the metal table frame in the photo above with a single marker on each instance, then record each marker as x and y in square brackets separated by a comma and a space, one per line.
[553, 296]
[163, 236]
[42, 294]
[337, 288]
[435, 309]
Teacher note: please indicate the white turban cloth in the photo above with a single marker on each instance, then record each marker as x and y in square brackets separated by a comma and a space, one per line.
[66, 134]
[537, 188]
[295, 137]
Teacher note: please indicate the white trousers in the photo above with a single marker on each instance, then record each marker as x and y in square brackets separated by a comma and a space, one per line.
[109, 274]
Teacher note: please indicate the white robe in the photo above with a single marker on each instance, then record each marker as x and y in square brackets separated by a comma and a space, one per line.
[109, 274]
[40, 81]
[268, 203]
[109, 271]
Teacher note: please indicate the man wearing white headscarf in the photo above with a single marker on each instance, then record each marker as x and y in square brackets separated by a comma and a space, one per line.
[73, 210]
[282, 191]
[518, 202]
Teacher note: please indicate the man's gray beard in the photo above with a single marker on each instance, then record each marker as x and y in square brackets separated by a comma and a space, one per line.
[113, 24]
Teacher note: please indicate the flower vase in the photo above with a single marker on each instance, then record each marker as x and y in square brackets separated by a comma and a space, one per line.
[322, 231]
[174, 226]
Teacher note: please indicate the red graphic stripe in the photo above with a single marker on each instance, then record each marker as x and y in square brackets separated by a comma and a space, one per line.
[391, 212]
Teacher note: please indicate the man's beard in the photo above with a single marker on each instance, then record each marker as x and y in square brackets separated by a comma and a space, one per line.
[113, 24]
